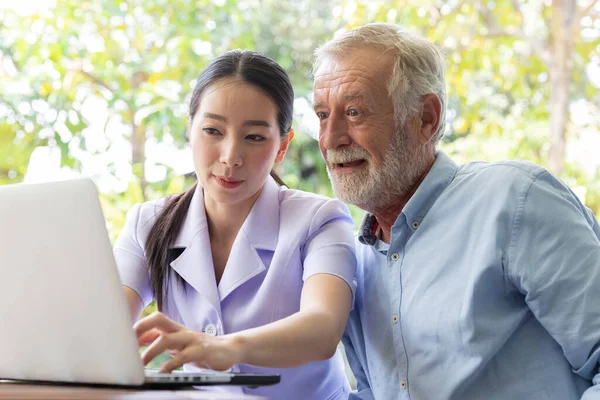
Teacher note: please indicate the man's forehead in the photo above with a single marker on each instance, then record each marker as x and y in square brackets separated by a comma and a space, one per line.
[361, 65]
[342, 66]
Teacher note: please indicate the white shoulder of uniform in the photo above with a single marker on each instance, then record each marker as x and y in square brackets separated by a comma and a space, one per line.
[316, 208]
[142, 216]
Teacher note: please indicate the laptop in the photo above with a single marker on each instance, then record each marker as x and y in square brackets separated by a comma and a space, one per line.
[64, 314]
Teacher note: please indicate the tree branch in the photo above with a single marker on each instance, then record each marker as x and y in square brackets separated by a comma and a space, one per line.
[517, 33]
[435, 13]
[494, 30]
[7, 51]
[517, 8]
[585, 10]
[96, 80]
[9, 105]
[486, 14]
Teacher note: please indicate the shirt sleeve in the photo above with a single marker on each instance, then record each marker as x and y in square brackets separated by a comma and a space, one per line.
[329, 248]
[130, 258]
[363, 390]
[554, 260]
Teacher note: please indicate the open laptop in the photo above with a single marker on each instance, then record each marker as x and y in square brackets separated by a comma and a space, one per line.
[63, 311]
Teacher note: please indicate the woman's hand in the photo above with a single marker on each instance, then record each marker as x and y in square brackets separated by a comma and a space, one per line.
[162, 334]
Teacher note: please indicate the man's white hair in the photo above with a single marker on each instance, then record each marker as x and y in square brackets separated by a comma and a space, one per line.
[419, 66]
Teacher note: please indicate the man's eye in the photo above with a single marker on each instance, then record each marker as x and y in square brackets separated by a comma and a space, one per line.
[321, 115]
[353, 112]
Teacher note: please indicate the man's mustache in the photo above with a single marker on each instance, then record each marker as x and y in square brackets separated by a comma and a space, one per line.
[346, 155]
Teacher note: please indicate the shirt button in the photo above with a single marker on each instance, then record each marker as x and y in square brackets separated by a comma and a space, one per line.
[403, 384]
[415, 224]
[395, 319]
[395, 257]
[210, 330]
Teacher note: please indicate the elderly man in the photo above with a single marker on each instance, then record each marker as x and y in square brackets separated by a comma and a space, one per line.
[479, 281]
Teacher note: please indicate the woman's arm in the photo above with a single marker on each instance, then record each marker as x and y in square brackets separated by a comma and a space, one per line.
[136, 305]
[131, 264]
[311, 334]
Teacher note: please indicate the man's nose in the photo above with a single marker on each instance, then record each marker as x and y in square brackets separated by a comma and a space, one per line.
[231, 153]
[334, 133]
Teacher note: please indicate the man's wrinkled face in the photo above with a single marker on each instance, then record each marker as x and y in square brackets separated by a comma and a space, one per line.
[369, 161]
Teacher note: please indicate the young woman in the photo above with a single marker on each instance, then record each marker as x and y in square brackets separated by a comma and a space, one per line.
[247, 274]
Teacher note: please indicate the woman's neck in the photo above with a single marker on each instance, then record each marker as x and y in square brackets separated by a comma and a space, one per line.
[225, 220]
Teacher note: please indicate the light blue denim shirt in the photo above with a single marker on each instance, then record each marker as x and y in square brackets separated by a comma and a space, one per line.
[489, 289]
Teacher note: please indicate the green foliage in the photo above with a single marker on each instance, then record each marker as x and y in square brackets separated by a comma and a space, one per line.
[139, 60]
[15, 149]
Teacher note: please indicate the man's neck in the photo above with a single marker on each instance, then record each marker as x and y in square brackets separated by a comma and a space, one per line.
[387, 215]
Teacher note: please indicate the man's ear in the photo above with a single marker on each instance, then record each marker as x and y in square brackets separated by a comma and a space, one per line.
[283, 147]
[430, 117]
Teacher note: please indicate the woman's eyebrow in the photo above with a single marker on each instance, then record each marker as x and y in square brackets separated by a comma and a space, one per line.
[250, 122]
[215, 116]
[257, 122]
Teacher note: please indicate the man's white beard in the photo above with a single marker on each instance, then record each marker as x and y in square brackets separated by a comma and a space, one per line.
[372, 188]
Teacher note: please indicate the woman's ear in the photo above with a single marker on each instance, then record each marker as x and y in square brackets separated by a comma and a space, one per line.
[188, 127]
[283, 147]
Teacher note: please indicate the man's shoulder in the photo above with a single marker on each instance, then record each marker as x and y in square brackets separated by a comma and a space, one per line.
[366, 255]
[501, 179]
[506, 169]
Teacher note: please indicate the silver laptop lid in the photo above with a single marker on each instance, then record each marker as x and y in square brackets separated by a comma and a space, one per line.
[63, 312]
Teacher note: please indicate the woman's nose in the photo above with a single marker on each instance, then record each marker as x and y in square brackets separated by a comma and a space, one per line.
[231, 153]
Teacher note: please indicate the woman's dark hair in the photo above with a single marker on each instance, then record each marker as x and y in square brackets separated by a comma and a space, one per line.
[248, 67]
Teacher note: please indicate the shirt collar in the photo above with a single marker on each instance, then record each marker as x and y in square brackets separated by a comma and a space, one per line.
[437, 179]
[261, 226]
[194, 222]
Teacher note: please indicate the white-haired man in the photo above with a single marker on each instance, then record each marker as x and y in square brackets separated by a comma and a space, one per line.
[479, 281]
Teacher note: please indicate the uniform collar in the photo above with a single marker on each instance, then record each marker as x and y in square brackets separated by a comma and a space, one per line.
[261, 226]
[194, 222]
[259, 231]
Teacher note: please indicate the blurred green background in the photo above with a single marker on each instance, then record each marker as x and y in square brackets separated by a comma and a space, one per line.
[100, 87]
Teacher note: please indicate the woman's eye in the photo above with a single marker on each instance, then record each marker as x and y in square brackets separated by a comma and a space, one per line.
[255, 138]
[321, 115]
[353, 112]
[211, 131]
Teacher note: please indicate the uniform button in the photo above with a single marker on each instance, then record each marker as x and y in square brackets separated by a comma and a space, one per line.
[210, 330]
[395, 257]
[395, 319]
[403, 384]
[415, 224]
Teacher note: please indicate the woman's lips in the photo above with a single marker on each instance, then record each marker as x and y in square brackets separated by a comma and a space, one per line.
[228, 183]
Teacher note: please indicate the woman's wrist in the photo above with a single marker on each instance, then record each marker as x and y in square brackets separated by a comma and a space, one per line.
[237, 344]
